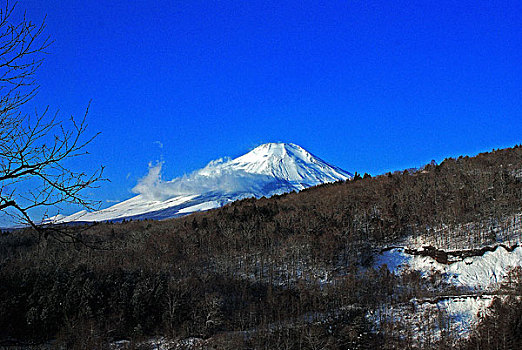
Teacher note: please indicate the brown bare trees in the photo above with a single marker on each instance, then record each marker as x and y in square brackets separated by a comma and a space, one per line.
[34, 149]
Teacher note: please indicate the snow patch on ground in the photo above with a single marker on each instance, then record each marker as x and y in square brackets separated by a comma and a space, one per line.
[159, 343]
[481, 274]
[484, 272]
[453, 316]
[464, 311]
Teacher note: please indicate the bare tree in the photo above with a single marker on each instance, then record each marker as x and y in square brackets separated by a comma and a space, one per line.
[34, 149]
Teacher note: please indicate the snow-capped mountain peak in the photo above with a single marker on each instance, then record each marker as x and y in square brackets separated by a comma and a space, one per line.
[269, 169]
[284, 161]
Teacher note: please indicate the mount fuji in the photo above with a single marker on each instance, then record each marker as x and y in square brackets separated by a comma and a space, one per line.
[269, 169]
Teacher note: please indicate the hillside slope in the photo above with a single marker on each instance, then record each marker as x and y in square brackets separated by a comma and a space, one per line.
[298, 270]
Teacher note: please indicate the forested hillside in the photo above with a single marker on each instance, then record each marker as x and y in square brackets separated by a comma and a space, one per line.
[294, 271]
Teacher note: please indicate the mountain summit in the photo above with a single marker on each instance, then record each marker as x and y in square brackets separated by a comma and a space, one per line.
[269, 169]
[283, 161]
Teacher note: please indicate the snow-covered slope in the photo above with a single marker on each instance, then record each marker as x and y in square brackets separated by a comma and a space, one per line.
[479, 277]
[485, 272]
[272, 168]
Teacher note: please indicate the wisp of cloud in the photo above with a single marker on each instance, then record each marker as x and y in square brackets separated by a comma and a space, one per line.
[216, 177]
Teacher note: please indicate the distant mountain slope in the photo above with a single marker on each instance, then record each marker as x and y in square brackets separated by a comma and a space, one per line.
[272, 168]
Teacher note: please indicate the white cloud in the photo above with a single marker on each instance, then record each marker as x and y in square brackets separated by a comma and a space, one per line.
[215, 177]
[150, 184]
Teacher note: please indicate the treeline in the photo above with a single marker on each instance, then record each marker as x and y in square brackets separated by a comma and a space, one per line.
[485, 188]
[293, 271]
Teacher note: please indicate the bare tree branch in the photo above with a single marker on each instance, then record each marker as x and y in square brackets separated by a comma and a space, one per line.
[34, 150]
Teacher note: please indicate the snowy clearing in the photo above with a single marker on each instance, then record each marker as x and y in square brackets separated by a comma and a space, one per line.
[484, 272]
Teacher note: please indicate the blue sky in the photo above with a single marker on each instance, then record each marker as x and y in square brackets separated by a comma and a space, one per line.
[370, 86]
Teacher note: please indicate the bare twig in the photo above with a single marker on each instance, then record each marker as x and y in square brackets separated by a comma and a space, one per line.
[34, 150]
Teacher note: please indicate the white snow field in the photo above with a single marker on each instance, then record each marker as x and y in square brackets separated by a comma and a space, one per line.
[484, 272]
[481, 275]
